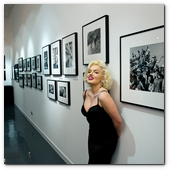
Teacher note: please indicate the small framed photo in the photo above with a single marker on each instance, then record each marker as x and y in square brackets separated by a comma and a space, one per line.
[39, 83]
[70, 55]
[25, 80]
[20, 64]
[28, 64]
[16, 72]
[21, 80]
[51, 89]
[63, 92]
[38, 63]
[46, 60]
[142, 68]
[34, 80]
[4, 75]
[33, 63]
[4, 63]
[56, 63]
[25, 64]
[95, 36]
[29, 77]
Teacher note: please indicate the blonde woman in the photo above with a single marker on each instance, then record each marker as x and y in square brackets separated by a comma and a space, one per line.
[105, 123]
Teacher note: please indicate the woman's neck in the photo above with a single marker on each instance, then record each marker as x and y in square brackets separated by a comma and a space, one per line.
[95, 88]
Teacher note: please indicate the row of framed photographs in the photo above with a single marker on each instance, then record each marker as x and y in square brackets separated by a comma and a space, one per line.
[59, 90]
[27, 64]
[30, 80]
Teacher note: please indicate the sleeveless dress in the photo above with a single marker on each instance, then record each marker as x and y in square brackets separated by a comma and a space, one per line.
[102, 139]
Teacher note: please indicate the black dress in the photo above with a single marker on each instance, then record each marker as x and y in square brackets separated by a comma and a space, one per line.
[102, 139]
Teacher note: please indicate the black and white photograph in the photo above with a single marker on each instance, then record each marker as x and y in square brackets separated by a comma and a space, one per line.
[25, 80]
[16, 73]
[38, 63]
[95, 36]
[46, 60]
[34, 80]
[70, 55]
[21, 80]
[51, 89]
[4, 75]
[147, 68]
[29, 78]
[63, 92]
[20, 64]
[56, 63]
[28, 64]
[94, 42]
[142, 80]
[33, 63]
[39, 82]
[4, 63]
[25, 64]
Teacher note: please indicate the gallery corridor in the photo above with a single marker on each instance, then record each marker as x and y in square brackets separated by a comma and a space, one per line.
[23, 144]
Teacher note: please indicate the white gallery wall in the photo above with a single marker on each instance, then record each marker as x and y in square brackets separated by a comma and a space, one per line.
[34, 26]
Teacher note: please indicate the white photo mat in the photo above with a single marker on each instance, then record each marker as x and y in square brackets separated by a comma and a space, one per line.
[53, 84]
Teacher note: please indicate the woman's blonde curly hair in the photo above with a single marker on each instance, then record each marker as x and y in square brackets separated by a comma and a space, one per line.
[107, 82]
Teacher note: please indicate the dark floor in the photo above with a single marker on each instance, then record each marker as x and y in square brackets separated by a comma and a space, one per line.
[23, 144]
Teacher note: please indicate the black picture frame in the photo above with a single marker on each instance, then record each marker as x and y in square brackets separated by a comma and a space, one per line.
[46, 55]
[51, 89]
[63, 92]
[25, 80]
[29, 64]
[38, 63]
[56, 59]
[4, 75]
[29, 78]
[16, 73]
[25, 64]
[95, 40]
[4, 63]
[39, 83]
[33, 63]
[20, 64]
[34, 80]
[21, 80]
[70, 55]
[144, 51]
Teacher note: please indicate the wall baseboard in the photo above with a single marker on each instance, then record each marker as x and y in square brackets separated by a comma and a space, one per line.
[59, 152]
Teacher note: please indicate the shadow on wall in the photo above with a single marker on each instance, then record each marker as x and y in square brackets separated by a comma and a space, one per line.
[126, 146]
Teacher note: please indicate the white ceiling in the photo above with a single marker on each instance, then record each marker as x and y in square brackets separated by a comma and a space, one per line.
[7, 10]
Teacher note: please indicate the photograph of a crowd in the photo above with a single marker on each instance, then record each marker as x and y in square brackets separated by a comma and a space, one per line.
[147, 68]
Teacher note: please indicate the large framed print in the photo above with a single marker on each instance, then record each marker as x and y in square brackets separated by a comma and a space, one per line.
[21, 80]
[33, 63]
[63, 92]
[142, 68]
[20, 64]
[46, 60]
[39, 83]
[29, 77]
[25, 64]
[34, 80]
[28, 64]
[70, 55]
[51, 89]
[56, 63]
[38, 63]
[95, 36]
[25, 80]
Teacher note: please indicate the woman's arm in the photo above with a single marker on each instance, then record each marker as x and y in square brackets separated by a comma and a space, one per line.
[108, 104]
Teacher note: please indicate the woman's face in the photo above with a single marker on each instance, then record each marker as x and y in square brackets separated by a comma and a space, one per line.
[95, 75]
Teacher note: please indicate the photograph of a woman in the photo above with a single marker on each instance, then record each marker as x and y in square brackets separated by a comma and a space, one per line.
[105, 123]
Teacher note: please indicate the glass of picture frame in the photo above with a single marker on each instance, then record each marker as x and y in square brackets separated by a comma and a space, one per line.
[25, 64]
[63, 92]
[51, 89]
[21, 80]
[39, 83]
[142, 68]
[38, 63]
[70, 55]
[20, 64]
[33, 63]
[29, 77]
[95, 37]
[46, 55]
[25, 80]
[28, 64]
[34, 80]
[56, 61]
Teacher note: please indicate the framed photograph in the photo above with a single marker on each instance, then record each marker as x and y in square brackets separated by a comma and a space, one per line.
[70, 55]
[28, 64]
[33, 63]
[21, 80]
[4, 75]
[20, 64]
[25, 80]
[16, 72]
[4, 63]
[46, 60]
[51, 89]
[56, 63]
[95, 36]
[34, 80]
[142, 68]
[38, 63]
[86, 86]
[63, 92]
[39, 83]
[25, 64]
[29, 78]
